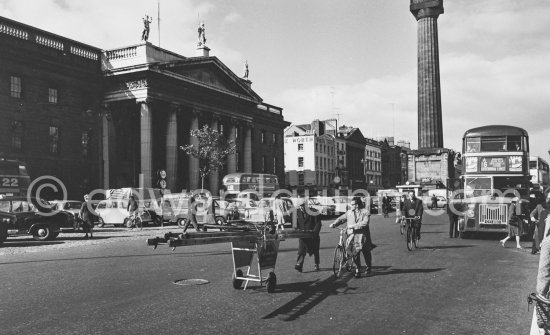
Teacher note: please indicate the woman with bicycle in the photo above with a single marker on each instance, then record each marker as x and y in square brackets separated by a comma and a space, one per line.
[359, 240]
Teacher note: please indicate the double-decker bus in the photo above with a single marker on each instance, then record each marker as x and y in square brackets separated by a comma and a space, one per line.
[540, 173]
[14, 179]
[261, 183]
[495, 169]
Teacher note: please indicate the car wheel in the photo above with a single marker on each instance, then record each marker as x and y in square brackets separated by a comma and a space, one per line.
[128, 223]
[42, 233]
[100, 223]
[181, 222]
[220, 221]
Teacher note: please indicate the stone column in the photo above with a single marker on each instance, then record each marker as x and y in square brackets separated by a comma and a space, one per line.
[214, 176]
[172, 147]
[232, 159]
[146, 142]
[430, 125]
[248, 148]
[194, 164]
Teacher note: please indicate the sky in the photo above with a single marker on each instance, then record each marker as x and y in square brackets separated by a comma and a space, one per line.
[353, 60]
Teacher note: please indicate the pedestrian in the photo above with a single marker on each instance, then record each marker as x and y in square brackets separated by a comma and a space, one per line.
[385, 205]
[132, 206]
[359, 238]
[434, 201]
[85, 216]
[191, 214]
[281, 212]
[414, 208]
[308, 218]
[452, 212]
[538, 218]
[543, 279]
[514, 223]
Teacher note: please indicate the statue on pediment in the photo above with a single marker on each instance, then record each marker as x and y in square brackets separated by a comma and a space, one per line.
[202, 35]
[245, 70]
[146, 27]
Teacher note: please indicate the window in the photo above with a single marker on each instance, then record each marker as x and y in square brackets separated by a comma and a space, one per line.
[16, 87]
[263, 137]
[84, 140]
[54, 139]
[300, 179]
[274, 138]
[263, 164]
[300, 161]
[17, 136]
[493, 144]
[274, 165]
[300, 147]
[52, 95]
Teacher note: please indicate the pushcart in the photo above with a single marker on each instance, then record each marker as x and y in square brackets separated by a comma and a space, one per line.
[261, 255]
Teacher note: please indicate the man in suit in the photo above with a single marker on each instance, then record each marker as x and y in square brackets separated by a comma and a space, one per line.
[308, 218]
[414, 208]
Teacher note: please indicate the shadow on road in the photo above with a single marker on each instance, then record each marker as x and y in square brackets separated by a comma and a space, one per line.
[28, 243]
[313, 293]
[388, 270]
[445, 247]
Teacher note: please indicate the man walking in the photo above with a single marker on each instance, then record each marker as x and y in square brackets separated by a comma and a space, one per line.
[308, 218]
[86, 217]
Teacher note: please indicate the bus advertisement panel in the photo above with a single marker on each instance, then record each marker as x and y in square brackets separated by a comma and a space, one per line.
[496, 161]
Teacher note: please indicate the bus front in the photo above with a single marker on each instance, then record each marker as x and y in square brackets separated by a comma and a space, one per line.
[496, 169]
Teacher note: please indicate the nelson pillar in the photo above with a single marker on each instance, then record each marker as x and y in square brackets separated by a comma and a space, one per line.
[430, 125]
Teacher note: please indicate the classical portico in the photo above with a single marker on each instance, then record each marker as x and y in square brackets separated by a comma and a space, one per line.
[156, 97]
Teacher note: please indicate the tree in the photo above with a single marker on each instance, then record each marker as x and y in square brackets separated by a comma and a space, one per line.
[212, 150]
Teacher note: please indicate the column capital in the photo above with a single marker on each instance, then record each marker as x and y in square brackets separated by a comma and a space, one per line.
[216, 117]
[143, 101]
[176, 107]
[426, 8]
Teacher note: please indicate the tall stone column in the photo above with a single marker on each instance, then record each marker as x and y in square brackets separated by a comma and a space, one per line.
[215, 175]
[248, 148]
[430, 125]
[232, 159]
[172, 147]
[194, 164]
[146, 143]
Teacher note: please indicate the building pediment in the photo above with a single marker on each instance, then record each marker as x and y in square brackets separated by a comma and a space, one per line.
[209, 72]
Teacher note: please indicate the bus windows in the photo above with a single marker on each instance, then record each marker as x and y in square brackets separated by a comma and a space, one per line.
[493, 144]
[514, 143]
[472, 144]
[475, 187]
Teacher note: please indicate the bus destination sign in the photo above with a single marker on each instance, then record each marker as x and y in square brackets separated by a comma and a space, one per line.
[496, 164]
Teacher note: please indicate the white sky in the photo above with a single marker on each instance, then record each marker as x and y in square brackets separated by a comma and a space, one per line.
[355, 57]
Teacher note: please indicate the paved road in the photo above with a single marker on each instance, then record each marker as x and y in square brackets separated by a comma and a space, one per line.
[449, 286]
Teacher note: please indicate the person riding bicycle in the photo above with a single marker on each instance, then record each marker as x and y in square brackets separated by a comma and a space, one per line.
[132, 206]
[357, 219]
[414, 208]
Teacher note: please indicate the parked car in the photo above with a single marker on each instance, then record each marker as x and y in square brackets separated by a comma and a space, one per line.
[70, 206]
[340, 204]
[176, 210]
[441, 202]
[319, 203]
[36, 218]
[115, 212]
[263, 212]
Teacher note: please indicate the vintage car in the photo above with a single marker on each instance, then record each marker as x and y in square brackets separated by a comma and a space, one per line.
[115, 212]
[70, 206]
[176, 210]
[441, 202]
[263, 212]
[36, 218]
[322, 206]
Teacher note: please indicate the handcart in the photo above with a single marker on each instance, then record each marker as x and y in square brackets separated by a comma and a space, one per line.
[261, 254]
[253, 247]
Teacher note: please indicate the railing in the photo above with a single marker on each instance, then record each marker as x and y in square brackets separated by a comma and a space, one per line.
[123, 53]
[43, 38]
[271, 109]
[13, 31]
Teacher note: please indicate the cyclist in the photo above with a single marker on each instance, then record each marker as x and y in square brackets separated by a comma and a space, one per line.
[132, 206]
[357, 219]
[414, 208]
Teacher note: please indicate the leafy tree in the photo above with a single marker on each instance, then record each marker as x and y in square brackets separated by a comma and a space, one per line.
[212, 150]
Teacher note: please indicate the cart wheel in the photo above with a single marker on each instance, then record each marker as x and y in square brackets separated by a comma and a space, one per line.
[237, 282]
[271, 282]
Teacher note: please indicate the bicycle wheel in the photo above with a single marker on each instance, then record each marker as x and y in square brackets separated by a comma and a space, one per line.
[415, 239]
[350, 265]
[338, 261]
[138, 223]
[409, 238]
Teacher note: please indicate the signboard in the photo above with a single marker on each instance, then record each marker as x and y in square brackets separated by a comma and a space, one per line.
[493, 164]
[428, 169]
[515, 163]
[471, 164]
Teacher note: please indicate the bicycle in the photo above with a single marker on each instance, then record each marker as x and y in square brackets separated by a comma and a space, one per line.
[135, 221]
[411, 227]
[341, 258]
